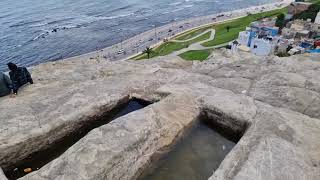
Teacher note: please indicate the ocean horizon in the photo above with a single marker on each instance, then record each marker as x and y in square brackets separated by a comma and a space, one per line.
[34, 31]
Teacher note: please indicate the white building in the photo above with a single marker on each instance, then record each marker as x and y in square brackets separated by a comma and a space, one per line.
[264, 47]
[317, 21]
[258, 46]
[244, 37]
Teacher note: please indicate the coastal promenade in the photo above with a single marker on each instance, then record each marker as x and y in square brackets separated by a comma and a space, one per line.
[154, 37]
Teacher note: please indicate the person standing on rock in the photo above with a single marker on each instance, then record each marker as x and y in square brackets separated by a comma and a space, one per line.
[6, 86]
[19, 76]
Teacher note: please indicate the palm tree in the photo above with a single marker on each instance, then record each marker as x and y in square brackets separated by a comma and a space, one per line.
[228, 28]
[280, 22]
[148, 51]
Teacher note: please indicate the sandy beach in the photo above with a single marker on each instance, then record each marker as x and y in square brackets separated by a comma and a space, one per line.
[135, 45]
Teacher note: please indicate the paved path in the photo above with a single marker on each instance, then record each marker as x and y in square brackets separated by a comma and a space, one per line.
[190, 39]
[197, 45]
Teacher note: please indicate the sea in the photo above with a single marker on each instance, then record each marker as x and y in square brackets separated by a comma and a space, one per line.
[37, 31]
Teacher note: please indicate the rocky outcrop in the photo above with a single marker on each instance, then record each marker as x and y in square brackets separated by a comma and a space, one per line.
[133, 139]
[272, 102]
[282, 82]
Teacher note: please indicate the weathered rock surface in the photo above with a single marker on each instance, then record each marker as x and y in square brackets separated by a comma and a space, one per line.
[282, 82]
[274, 100]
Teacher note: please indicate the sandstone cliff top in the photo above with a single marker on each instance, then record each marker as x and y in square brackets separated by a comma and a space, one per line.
[278, 98]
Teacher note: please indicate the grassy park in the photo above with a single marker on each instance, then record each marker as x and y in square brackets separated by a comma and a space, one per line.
[225, 32]
[236, 26]
[199, 55]
[314, 1]
[192, 33]
[169, 47]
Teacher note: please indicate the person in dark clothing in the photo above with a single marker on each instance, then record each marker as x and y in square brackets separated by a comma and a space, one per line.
[19, 76]
[5, 85]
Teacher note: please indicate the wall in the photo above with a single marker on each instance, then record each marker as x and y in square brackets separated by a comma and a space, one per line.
[261, 47]
[243, 38]
[298, 7]
[317, 21]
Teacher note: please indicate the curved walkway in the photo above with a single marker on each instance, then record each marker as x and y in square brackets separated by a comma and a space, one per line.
[197, 45]
[203, 33]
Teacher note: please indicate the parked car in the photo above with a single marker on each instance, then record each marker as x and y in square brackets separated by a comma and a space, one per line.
[121, 51]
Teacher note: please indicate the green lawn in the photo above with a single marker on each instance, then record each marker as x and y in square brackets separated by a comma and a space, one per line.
[192, 33]
[169, 47]
[314, 1]
[199, 55]
[237, 25]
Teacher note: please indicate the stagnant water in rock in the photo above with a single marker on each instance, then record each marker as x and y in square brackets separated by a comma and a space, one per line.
[195, 157]
[39, 159]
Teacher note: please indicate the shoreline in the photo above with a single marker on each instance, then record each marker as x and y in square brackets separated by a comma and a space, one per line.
[144, 39]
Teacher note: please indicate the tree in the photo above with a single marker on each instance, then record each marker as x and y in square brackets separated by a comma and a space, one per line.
[148, 51]
[228, 28]
[280, 22]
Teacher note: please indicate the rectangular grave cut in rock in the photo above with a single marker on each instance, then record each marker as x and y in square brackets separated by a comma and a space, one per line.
[39, 159]
[197, 154]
